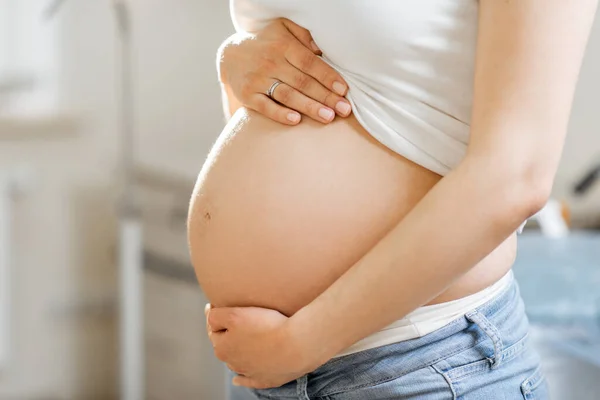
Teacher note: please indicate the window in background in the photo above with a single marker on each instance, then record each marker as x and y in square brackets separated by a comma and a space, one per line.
[28, 59]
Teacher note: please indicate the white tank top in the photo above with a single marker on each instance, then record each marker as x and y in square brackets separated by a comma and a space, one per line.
[409, 65]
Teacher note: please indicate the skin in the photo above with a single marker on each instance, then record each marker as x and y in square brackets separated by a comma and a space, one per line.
[278, 237]
[285, 52]
[528, 58]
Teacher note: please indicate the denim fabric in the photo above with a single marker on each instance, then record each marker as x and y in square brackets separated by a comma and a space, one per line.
[483, 355]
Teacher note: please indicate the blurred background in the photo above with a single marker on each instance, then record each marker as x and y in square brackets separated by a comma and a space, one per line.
[65, 110]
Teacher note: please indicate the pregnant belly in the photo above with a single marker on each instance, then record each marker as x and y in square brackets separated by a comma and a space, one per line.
[279, 213]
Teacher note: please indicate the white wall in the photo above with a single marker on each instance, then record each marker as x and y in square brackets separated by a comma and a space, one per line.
[65, 280]
[65, 276]
[582, 148]
[179, 97]
[65, 226]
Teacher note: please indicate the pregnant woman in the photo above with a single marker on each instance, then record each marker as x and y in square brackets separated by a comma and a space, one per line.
[367, 255]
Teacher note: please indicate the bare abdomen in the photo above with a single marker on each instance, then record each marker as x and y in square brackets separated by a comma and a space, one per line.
[279, 213]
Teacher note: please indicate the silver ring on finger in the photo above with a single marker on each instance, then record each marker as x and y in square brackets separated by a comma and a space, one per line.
[272, 89]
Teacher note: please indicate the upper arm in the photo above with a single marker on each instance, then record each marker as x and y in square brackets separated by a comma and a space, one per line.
[529, 53]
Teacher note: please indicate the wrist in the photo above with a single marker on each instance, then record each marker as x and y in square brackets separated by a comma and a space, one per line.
[221, 74]
[312, 346]
[224, 54]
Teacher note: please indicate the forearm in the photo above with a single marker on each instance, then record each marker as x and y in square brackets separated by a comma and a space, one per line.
[428, 250]
[230, 103]
[521, 106]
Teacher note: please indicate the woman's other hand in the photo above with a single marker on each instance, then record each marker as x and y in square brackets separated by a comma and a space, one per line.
[258, 344]
[249, 64]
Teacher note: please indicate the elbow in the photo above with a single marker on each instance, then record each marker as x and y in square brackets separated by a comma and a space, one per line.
[535, 197]
[517, 182]
[527, 192]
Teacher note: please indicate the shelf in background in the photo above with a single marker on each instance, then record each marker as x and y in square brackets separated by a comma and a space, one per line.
[25, 127]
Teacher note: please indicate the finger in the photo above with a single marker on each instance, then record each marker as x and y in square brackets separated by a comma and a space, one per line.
[207, 308]
[310, 87]
[249, 383]
[219, 319]
[216, 336]
[307, 62]
[220, 345]
[232, 369]
[212, 336]
[290, 97]
[209, 329]
[303, 35]
[269, 108]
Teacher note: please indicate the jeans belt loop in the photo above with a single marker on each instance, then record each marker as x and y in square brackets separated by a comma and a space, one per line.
[490, 330]
[302, 387]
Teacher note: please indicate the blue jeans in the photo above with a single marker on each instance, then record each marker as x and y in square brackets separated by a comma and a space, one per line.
[484, 355]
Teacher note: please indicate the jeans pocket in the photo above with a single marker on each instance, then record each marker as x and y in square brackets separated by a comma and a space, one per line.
[535, 387]
[424, 383]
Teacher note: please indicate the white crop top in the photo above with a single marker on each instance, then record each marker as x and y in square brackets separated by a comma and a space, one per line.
[409, 65]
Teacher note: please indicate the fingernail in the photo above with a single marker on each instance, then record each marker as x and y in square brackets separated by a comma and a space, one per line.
[235, 383]
[343, 107]
[206, 308]
[314, 46]
[326, 113]
[293, 117]
[339, 88]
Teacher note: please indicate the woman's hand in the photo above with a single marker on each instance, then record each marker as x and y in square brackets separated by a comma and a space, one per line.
[284, 51]
[258, 345]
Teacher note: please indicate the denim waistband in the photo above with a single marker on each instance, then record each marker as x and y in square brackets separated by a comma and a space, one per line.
[430, 318]
[505, 310]
[501, 320]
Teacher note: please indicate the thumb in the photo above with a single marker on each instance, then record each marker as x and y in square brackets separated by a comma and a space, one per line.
[303, 35]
